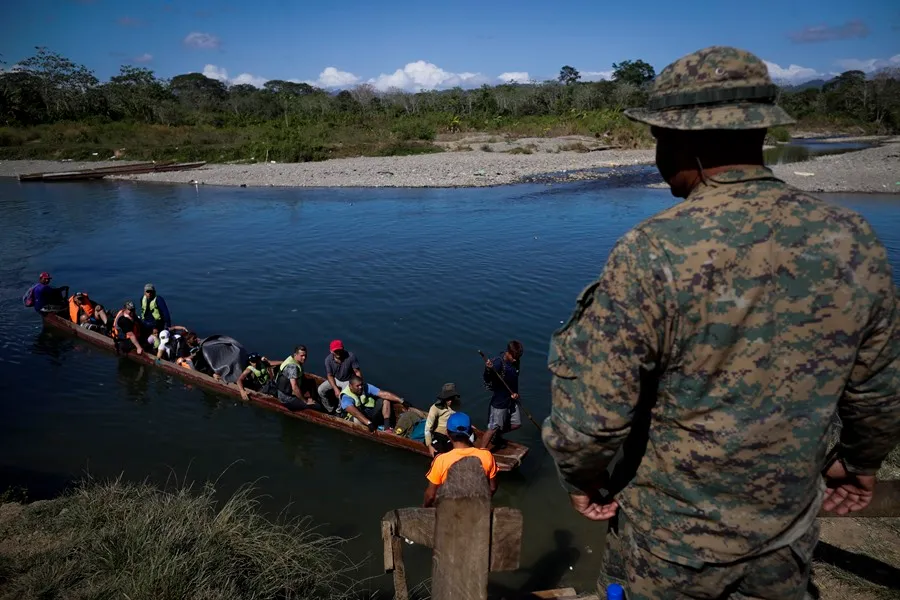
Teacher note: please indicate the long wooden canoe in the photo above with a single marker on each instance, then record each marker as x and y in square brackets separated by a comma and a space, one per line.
[101, 172]
[507, 458]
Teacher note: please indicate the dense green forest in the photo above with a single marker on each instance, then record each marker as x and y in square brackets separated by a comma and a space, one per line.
[51, 107]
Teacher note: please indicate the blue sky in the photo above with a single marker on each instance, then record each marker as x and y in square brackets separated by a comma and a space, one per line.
[416, 44]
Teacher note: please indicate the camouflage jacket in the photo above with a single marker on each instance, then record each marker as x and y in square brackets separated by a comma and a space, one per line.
[752, 312]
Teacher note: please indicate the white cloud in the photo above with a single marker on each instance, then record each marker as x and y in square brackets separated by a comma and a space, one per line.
[596, 76]
[420, 75]
[514, 76]
[205, 41]
[220, 74]
[792, 73]
[143, 58]
[869, 65]
[214, 72]
[247, 78]
[332, 77]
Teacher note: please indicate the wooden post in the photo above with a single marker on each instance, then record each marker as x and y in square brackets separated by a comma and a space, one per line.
[462, 534]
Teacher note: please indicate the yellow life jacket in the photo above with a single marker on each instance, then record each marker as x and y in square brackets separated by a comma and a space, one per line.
[363, 400]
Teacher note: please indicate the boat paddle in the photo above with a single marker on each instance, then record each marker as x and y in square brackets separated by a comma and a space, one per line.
[509, 389]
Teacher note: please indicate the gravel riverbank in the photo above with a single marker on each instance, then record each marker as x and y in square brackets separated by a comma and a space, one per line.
[871, 170]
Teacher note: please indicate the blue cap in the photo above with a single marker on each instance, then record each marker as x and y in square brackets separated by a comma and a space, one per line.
[459, 423]
[614, 591]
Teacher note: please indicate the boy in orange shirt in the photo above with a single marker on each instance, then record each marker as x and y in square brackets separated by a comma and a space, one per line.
[459, 430]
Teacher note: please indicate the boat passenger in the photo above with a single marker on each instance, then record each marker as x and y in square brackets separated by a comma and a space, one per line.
[164, 348]
[126, 330]
[288, 384]
[46, 298]
[85, 312]
[462, 436]
[257, 376]
[436, 438]
[361, 406]
[340, 366]
[154, 312]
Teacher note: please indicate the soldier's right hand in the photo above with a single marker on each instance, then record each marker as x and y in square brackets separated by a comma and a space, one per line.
[847, 492]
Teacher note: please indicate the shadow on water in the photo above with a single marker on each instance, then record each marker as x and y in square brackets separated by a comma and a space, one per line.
[547, 572]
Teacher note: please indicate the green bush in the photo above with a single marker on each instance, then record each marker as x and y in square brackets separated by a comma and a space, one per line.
[778, 134]
[407, 129]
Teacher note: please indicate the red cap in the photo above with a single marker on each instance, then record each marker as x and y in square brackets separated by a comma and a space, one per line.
[336, 345]
[45, 275]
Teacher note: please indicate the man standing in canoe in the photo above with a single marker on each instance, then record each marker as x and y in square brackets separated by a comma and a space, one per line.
[154, 312]
[725, 333]
[501, 378]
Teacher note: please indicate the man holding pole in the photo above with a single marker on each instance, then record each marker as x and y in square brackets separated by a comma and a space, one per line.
[501, 378]
[726, 332]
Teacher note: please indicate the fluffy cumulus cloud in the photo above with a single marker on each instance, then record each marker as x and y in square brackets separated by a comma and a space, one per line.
[868, 65]
[827, 33]
[204, 41]
[220, 74]
[514, 76]
[792, 73]
[422, 75]
[143, 58]
[333, 77]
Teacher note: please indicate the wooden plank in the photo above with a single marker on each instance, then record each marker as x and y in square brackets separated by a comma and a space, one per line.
[416, 525]
[885, 503]
[387, 534]
[507, 459]
[401, 590]
[462, 534]
[311, 381]
[506, 539]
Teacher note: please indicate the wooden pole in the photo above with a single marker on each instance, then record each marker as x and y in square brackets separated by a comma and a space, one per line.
[462, 534]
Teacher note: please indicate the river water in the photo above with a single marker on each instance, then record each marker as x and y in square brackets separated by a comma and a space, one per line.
[413, 281]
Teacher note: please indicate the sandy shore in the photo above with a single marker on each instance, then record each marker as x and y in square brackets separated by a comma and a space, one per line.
[482, 161]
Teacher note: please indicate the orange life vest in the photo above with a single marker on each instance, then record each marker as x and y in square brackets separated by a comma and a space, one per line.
[118, 332]
[86, 305]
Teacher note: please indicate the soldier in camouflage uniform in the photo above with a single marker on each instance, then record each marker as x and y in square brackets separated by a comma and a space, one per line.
[749, 313]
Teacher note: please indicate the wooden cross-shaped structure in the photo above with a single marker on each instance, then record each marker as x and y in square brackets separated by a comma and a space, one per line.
[468, 537]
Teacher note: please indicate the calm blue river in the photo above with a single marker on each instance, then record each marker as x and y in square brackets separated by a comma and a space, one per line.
[413, 281]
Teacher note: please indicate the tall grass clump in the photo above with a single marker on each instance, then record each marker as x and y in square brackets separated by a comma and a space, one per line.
[126, 540]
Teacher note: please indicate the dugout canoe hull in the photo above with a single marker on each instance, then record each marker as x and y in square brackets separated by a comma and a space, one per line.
[507, 458]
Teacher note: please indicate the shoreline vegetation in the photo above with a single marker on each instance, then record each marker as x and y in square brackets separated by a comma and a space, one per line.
[134, 540]
[54, 109]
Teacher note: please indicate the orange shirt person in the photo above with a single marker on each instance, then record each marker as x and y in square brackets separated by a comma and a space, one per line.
[459, 429]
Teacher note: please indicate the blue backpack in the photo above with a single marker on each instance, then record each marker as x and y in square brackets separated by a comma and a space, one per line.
[418, 432]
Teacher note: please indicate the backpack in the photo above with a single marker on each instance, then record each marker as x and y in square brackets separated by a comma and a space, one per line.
[28, 298]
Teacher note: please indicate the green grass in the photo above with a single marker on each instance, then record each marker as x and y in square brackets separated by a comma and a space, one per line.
[124, 540]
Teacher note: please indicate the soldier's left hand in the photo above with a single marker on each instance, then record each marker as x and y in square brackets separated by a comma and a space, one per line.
[593, 511]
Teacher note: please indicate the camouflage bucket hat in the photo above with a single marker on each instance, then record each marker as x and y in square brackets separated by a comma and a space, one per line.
[714, 88]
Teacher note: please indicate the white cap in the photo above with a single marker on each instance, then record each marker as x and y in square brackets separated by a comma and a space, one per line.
[164, 335]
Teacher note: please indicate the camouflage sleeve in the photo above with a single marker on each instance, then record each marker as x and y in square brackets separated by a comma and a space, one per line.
[616, 330]
[870, 406]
